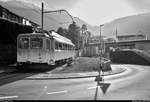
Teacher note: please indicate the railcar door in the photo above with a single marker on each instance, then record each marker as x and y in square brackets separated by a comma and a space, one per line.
[50, 51]
[36, 52]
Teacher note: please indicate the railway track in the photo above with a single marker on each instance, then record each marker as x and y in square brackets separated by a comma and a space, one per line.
[6, 78]
[7, 75]
[26, 71]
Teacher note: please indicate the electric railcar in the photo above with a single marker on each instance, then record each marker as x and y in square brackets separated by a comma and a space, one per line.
[44, 48]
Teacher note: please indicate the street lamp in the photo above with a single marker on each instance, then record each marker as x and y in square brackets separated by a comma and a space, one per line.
[100, 50]
[61, 10]
[101, 43]
[99, 78]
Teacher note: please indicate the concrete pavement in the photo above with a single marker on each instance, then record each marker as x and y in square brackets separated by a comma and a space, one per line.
[132, 84]
[49, 75]
[46, 76]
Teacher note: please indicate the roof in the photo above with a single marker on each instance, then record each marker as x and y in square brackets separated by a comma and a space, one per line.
[34, 34]
[33, 13]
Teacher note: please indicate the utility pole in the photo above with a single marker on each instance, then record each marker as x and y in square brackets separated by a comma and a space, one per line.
[42, 16]
[43, 12]
[116, 33]
[116, 36]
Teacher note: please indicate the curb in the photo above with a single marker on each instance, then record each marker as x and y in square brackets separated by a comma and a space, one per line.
[73, 77]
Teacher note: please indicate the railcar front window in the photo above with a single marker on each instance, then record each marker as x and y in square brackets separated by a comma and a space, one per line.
[36, 43]
[23, 43]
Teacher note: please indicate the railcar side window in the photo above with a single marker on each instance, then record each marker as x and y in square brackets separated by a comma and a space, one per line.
[69, 47]
[60, 46]
[47, 44]
[56, 45]
[65, 47]
[52, 45]
[36, 43]
[23, 43]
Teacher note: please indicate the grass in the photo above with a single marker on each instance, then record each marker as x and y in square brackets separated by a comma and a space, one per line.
[81, 64]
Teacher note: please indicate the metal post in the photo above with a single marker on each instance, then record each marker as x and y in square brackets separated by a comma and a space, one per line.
[42, 12]
[100, 46]
[82, 43]
[42, 16]
[101, 49]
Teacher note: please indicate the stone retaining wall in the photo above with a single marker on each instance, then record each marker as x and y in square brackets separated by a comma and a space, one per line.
[128, 57]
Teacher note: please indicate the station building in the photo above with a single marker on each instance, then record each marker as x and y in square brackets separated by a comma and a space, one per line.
[11, 25]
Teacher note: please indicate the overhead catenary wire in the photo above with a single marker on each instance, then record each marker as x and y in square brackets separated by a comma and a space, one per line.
[43, 12]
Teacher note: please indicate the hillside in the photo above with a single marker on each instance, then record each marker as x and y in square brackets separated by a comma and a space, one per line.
[94, 30]
[51, 20]
[136, 24]
[33, 13]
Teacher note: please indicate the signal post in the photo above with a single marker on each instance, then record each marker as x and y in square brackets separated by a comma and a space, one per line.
[100, 78]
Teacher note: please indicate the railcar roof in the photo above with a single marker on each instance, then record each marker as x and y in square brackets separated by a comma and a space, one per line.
[56, 36]
[30, 34]
[61, 39]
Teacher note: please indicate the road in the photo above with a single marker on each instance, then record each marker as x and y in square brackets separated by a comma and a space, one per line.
[133, 84]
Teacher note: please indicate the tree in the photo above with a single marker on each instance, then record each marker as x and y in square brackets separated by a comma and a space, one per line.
[62, 31]
[84, 27]
[74, 34]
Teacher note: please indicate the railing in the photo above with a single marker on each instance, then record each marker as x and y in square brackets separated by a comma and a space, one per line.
[106, 64]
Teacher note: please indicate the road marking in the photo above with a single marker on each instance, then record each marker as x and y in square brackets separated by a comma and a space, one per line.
[92, 87]
[65, 91]
[5, 97]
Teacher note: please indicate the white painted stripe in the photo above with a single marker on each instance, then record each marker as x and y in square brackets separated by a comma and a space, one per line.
[65, 91]
[5, 97]
[92, 87]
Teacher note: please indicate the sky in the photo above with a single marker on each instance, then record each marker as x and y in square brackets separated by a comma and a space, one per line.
[96, 12]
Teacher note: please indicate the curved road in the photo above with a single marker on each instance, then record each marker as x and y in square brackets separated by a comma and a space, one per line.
[133, 84]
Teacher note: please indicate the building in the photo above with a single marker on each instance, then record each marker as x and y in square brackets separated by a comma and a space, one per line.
[95, 39]
[10, 16]
[94, 50]
[133, 37]
[11, 25]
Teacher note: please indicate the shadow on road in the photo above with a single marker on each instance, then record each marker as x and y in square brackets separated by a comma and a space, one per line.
[24, 72]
